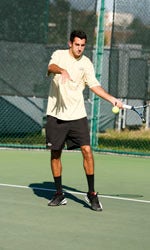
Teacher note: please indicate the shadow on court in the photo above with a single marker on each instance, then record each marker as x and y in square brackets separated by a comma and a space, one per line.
[47, 189]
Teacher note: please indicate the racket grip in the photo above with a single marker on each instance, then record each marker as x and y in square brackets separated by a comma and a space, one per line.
[125, 106]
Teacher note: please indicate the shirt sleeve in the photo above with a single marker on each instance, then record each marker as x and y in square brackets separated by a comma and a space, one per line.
[90, 78]
[54, 58]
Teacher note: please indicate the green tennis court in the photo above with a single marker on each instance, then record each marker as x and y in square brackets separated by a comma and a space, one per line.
[27, 222]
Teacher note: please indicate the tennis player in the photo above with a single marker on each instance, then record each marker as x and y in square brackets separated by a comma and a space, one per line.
[66, 115]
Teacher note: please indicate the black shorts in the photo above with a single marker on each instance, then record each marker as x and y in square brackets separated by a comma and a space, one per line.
[73, 134]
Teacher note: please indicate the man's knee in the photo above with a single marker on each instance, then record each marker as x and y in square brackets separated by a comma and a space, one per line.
[86, 150]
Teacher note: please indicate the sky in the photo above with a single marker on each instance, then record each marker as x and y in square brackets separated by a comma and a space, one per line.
[90, 3]
[108, 4]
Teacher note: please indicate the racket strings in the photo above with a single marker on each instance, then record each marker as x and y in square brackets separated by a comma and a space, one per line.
[141, 111]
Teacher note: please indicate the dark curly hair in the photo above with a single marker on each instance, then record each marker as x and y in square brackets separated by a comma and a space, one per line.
[78, 33]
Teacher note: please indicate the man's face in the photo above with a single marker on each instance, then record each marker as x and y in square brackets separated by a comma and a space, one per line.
[77, 47]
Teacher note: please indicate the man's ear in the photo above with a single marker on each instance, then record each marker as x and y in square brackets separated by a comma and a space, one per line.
[70, 44]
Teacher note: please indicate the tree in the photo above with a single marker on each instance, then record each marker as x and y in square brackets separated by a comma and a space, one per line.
[66, 18]
[141, 33]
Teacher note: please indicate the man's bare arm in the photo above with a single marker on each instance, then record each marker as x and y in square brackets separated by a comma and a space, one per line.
[98, 90]
[55, 69]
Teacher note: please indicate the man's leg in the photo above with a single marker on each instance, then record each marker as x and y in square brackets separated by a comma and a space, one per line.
[56, 168]
[88, 163]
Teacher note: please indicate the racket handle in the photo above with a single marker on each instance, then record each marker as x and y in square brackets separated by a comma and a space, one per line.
[125, 106]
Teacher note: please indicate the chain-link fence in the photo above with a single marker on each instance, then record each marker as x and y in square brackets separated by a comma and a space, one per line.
[129, 68]
[31, 30]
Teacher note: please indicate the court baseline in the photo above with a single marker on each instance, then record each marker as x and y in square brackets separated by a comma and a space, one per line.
[73, 192]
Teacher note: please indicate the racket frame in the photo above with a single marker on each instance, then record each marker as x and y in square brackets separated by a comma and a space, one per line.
[135, 109]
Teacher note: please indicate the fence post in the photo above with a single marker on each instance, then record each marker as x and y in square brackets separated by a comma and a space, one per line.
[98, 69]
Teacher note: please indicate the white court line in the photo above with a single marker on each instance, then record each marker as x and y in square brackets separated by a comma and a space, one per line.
[73, 192]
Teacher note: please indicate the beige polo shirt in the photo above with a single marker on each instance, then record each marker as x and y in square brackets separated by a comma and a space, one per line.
[65, 100]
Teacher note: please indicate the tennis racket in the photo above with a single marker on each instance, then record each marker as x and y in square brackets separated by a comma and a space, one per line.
[140, 110]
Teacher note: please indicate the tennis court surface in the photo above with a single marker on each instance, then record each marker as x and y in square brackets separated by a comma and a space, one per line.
[26, 222]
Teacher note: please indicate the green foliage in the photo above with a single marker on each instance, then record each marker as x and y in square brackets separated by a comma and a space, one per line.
[124, 141]
[23, 21]
[140, 33]
[132, 141]
[65, 18]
